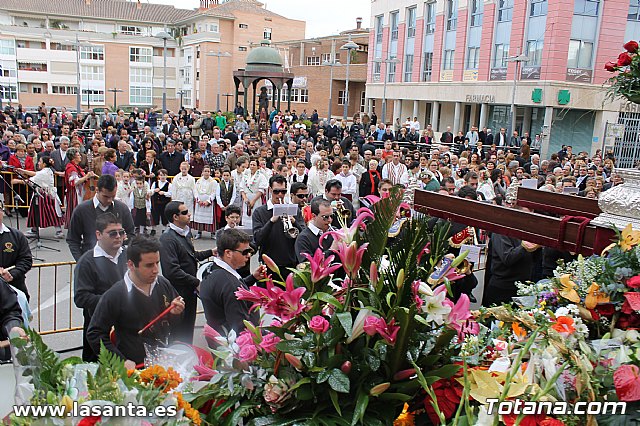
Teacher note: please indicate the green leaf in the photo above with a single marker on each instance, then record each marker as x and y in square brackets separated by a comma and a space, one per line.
[361, 408]
[291, 345]
[339, 381]
[327, 298]
[323, 376]
[346, 321]
[446, 371]
[395, 397]
[334, 400]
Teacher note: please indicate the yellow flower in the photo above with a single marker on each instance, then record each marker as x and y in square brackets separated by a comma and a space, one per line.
[595, 296]
[190, 412]
[629, 238]
[568, 290]
[518, 330]
[405, 418]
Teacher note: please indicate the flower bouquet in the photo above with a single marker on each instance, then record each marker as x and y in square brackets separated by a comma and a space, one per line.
[626, 83]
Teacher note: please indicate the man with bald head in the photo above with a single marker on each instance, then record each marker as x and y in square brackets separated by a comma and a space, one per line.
[232, 159]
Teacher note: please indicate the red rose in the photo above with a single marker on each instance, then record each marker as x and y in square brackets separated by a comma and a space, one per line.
[631, 46]
[634, 282]
[606, 309]
[610, 66]
[624, 59]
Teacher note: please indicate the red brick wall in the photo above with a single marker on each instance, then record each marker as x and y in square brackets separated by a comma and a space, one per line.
[438, 39]
[556, 42]
[612, 29]
[486, 44]
[461, 45]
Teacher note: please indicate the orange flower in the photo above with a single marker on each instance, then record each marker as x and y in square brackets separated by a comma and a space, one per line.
[564, 325]
[518, 330]
[189, 411]
[405, 418]
[160, 378]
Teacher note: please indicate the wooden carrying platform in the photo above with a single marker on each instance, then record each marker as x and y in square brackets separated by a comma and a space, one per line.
[569, 233]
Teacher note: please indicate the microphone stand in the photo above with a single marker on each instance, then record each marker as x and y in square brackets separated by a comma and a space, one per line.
[36, 200]
[16, 196]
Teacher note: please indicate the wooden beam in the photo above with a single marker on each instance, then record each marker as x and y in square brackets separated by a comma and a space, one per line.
[561, 204]
[533, 227]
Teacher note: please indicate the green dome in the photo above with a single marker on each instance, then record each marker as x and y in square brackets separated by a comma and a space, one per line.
[264, 56]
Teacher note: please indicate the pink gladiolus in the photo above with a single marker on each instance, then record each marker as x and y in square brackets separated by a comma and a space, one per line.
[460, 319]
[351, 256]
[294, 361]
[248, 353]
[371, 325]
[319, 324]
[269, 342]
[269, 263]
[320, 266]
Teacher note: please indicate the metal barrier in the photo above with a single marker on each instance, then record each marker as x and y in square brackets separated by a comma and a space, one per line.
[57, 303]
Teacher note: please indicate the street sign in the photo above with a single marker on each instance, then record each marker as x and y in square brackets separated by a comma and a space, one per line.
[615, 130]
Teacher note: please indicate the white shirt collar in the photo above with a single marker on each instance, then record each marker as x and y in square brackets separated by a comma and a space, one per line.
[184, 232]
[130, 285]
[316, 231]
[99, 252]
[224, 265]
[269, 205]
[4, 229]
[96, 204]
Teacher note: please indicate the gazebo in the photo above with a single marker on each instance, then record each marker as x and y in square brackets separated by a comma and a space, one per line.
[263, 63]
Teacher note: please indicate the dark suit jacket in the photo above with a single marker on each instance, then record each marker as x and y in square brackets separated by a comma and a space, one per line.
[59, 163]
[125, 161]
[179, 259]
[15, 251]
[171, 163]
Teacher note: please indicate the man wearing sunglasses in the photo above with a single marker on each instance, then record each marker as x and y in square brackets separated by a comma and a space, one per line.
[269, 232]
[97, 270]
[222, 309]
[321, 219]
[179, 261]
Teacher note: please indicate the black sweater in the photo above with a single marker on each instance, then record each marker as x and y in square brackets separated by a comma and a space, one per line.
[81, 236]
[128, 312]
[271, 239]
[10, 312]
[93, 276]
[179, 260]
[15, 252]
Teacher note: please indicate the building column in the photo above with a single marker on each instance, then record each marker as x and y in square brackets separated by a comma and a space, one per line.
[456, 118]
[397, 111]
[483, 116]
[435, 112]
[415, 109]
[472, 116]
[546, 132]
[526, 121]
[302, 54]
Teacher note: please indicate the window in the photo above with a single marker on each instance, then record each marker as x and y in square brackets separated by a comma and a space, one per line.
[379, 24]
[586, 7]
[476, 13]
[448, 59]
[90, 96]
[538, 8]
[159, 51]
[267, 34]
[505, 10]
[130, 30]
[313, 60]
[36, 90]
[326, 57]
[21, 44]
[243, 26]
[634, 14]
[214, 28]
[430, 22]
[140, 54]
[62, 46]
[141, 75]
[377, 66]
[242, 48]
[452, 15]
[391, 71]
[427, 66]
[93, 53]
[185, 74]
[64, 90]
[8, 91]
[393, 17]
[8, 69]
[411, 22]
[297, 95]
[24, 88]
[32, 66]
[500, 55]
[140, 95]
[342, 98]
[91, 72]
[408, 67]
[7, 47]
[304, 96]
[534, 52]
[473, 58]
[580, 54]
[363, 101]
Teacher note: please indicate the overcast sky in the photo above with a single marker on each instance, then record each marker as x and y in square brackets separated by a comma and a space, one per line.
[323, 18]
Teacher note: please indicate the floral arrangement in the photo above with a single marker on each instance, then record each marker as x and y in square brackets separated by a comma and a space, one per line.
[626, 83]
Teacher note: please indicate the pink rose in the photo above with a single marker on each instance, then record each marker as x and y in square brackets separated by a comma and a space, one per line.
[634, 282]
[248, 353]
[269, 342]
[244, 339]
[319, 324]
[371, 325]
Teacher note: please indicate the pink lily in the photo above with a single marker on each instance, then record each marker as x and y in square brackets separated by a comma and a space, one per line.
[460, 318]
[287, 303]
[425, 250]
[210, 333]
[351, 256]
[374, 276]
[389, 332]
[270, 264]
[347, 235]
[320, 266]
[205, 373]
[258, 295]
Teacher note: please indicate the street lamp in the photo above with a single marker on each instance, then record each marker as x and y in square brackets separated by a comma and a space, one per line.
[512, 114]
[78, 44]
[228, 95]
[164, 36]
[384, 87]
[219, 55]
[330, 64]
[115, 98]
[348, 46]
[181, 93]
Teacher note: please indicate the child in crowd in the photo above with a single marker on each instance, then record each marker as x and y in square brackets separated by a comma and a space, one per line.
[348, 180]
[123, 193]
[205, 194]
[140, 198]
[159, 199]
[183, 187]
[225, 196]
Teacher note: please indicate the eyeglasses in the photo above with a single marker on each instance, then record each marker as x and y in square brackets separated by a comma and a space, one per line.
[116, 233]
[245, 252]
[184, 212]
[301, 195]
[279, 191]
[326, 217]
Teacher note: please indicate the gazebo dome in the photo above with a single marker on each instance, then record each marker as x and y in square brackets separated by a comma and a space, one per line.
[264, 58]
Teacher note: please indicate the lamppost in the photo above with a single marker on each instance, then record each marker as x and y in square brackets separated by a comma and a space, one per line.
[164, 36]
[219, 55]
[77, 44]
[330, 64]
[115, 98]
[512, 114]
[348, 46]
[384, 86]
[181, 93]
[228, 95]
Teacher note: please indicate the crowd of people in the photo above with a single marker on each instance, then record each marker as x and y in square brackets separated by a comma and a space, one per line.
[189, 174]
